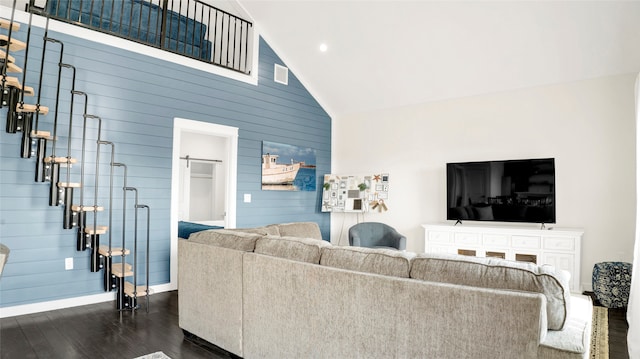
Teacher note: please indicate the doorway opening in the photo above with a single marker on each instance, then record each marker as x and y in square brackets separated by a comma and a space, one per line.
[203, 181]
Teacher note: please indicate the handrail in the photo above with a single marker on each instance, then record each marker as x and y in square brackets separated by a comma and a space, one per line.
[189, 28]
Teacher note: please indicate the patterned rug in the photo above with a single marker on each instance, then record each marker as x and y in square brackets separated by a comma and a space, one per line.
[156, 355]
[600, 333]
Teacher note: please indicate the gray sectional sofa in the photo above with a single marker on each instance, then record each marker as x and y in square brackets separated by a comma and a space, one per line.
[281, 292]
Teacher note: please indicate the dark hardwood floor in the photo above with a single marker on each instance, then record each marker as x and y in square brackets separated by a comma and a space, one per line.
[99, 331]
[618, 327]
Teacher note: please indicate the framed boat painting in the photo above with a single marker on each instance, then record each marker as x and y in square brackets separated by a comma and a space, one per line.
[287, 167]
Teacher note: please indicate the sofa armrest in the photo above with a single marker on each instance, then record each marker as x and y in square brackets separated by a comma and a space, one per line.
[210, 293]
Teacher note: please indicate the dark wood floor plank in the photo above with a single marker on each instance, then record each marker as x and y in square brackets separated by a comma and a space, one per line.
[13, 343]
[618, 328]
[100, 331]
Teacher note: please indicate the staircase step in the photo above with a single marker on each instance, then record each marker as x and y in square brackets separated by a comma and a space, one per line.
[14, 82]
[3, 55]
[59, 160]
[116, 270]
[4, 24]
[11, 67]
[15, 45]
[115, 251]
[98, 230]
[141, 290]
[31, 108]
[79, 208]
[41, 134]
[69, 184]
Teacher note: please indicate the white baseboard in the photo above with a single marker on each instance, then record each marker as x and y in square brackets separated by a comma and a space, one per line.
[69, 302]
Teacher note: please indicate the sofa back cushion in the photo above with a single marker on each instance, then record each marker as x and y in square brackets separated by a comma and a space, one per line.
[371, 260]
[300, 229]
[265, 231]
[241, 241]
[294, 248]
[498, 274]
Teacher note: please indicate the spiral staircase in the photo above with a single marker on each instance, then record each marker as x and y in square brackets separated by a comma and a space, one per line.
[72, 186]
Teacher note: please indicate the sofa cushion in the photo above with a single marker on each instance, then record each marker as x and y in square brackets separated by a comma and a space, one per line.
[371, 260]
[227, 238]
[498, 274]
[300, 229]
[265, 231]
[294, 248]
[186, 228]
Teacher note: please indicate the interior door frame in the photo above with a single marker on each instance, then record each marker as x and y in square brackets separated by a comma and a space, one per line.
[180, 126]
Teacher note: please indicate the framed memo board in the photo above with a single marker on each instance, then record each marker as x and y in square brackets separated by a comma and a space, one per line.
[355, 193]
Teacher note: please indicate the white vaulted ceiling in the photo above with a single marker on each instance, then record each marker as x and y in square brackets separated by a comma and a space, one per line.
[385, 54]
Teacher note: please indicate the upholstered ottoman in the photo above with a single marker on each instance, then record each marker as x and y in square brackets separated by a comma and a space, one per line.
[611, 283]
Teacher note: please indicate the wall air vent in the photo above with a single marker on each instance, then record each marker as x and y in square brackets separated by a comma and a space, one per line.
[281, 74]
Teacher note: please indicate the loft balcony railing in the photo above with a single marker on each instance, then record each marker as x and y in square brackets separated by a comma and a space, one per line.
[190, 28]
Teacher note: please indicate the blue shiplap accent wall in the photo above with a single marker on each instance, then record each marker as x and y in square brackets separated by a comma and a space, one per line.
[138, 97]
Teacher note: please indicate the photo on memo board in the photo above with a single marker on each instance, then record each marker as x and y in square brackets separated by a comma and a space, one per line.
[287, 167]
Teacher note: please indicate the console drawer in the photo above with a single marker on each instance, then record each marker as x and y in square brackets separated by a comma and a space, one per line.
[467, 238]
[495, 240]
[525, 242]
[439, 237]
[559, 243]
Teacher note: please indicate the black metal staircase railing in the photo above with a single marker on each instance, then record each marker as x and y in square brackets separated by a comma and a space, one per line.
[190, 28]
[48, 167]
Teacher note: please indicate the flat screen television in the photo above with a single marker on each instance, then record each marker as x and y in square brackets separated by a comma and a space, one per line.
[502, 191]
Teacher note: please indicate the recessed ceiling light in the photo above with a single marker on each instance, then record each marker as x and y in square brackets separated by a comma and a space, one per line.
[323, 47]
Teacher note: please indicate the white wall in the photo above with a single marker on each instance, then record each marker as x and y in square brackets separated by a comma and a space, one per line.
[587, 126]
[204, 146]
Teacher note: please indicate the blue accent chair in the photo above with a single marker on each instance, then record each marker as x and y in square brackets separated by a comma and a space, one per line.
[376, 235]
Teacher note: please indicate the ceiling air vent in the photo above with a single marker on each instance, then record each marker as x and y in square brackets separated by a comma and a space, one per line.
[281, 74]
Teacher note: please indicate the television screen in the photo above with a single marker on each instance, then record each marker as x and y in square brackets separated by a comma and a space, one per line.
[502, 191]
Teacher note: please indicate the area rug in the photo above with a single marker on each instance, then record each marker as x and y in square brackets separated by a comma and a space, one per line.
[156, 355]
[600, 333]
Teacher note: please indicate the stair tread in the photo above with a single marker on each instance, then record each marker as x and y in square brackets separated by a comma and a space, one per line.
[81, 208]
[116, 269]
[14, 82]
[69, 184]
[98, 230]
[11, 67]
[141, 290]
[40, 134]
[59, 160]
[115, 251]
[15, 45]
[4, 23]
[3, 55]
[31, 108]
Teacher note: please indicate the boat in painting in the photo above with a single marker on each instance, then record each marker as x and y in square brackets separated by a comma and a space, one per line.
[277, 173]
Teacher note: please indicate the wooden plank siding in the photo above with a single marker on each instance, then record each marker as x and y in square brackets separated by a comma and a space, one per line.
[137, 98]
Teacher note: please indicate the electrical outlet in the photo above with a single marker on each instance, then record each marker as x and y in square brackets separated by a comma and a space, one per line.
[68, 263]
[247, 198]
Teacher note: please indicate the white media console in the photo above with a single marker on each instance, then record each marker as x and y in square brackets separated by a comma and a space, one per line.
[558, 247]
